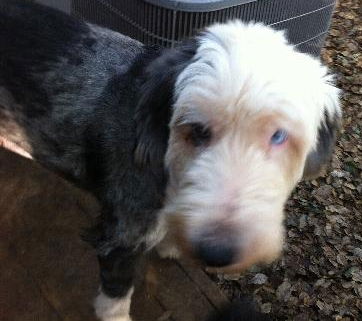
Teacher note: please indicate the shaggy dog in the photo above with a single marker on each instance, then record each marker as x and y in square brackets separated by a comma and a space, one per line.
[199, 145]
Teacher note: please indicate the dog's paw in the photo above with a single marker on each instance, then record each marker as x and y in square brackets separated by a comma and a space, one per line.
[168, 251]
[113, 309]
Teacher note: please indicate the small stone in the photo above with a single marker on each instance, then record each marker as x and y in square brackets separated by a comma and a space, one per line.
[325, 307]
[323, 193]
[303, 221]
[358, 237]
[259, 278]
[338, 209]
[305, 298]
[320, 305]
[266, 307]
[302, 317]
[357, 252]
[354, 273]
[339, 173]
[350, 186]
[359, 290]
[284, 291]
[359, 188]
[357, 275]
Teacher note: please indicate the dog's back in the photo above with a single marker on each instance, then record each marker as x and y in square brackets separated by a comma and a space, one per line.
[44, 47]
[53, 71]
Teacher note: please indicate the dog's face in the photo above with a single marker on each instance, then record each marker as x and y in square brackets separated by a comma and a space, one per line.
[250, 116]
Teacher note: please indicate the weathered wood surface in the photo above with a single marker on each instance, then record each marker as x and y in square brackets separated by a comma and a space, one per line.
[48, 273]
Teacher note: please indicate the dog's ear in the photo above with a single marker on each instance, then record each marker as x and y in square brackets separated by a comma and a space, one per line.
[326, 137]
[156, 97]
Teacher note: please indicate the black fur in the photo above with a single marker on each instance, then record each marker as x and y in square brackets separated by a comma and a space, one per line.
[116, 276]
[326, 140]
[95, 107]
[31, 40]
[155, 100]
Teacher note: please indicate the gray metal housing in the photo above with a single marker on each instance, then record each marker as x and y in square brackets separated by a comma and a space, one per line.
[197, 5]
[167, 22]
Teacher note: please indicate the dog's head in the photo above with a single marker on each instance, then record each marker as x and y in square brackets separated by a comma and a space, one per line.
[249, 118]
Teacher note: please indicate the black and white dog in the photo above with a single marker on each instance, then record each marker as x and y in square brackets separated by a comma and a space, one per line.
[198, 146]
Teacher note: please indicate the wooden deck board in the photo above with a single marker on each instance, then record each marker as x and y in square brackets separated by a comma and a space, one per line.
[47, 273]
[16, 285]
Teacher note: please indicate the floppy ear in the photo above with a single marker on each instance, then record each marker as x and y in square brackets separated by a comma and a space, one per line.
[154, 107]
[329, 125]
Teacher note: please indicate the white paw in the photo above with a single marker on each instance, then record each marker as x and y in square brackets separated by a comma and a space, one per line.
[113, 309]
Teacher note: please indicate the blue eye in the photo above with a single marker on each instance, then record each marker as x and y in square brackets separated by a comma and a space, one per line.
[279, 137]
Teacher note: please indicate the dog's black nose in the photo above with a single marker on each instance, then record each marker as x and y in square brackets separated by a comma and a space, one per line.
[215, 254]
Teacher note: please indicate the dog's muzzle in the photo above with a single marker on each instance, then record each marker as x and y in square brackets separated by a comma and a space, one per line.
[216, 248]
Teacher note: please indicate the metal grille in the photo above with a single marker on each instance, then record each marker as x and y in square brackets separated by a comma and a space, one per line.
[64, 5]
[305, 21]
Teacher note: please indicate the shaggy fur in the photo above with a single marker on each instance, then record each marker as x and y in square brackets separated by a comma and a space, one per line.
[171, 141]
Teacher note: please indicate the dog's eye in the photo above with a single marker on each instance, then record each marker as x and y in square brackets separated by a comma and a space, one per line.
[199, 134]
[279, 137]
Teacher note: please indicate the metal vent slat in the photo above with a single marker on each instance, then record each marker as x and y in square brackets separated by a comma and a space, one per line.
[164, 22]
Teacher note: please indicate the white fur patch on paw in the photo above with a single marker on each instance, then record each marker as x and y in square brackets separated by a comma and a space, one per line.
[113, 309]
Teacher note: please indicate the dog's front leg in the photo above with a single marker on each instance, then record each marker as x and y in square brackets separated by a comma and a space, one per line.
[122, 253]
[117, 270]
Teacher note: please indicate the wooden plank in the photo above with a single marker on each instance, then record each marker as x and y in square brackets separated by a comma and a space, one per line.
[208, 288]
[20, 296]
[42, 224]
[41, 217]
[145, 307]
[179, 294]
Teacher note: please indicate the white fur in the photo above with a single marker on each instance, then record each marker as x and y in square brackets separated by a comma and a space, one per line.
[113, 309]
[241, 71]
[254, 67]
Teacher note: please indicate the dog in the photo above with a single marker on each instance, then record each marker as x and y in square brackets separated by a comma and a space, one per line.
[194, 149]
